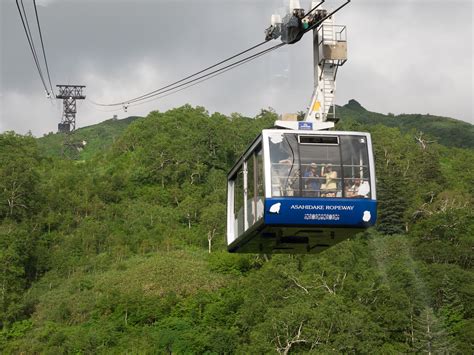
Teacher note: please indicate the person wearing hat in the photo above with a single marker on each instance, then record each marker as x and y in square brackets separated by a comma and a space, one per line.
[311, 181]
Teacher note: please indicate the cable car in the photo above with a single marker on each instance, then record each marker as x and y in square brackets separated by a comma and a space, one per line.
[298, 191]
[302, 188]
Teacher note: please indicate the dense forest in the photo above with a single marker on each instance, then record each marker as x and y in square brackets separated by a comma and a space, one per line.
[122, 248]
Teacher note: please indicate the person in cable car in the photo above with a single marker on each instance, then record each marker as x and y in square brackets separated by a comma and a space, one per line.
[312, 183]
[360, 189]
[330, 186]
[364, 189]
[352, 188]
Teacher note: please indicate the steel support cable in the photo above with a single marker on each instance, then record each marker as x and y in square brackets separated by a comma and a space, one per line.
[191, 83]
[42, 46]
[229, 66]
[31, 36]
[26, 27]
[97, 108]
[145, 96]
[205, 78]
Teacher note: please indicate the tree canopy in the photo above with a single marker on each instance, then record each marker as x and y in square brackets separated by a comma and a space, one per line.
[123, 249]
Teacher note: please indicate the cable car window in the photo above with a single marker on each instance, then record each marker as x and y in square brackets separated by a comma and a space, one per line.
[239, 202]
[255, 194]
[284, 164]
[321, 166]
[248, 191]
[355, 160]
[251, 196]
[260, 183]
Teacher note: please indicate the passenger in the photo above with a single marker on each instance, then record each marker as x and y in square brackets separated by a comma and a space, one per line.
[312, 183]
[359, 189]
[348, 188]
[330, 186]
[351, 190]
[363, 190]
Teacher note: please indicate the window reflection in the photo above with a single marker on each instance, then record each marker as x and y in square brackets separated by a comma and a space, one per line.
[249, 192]
[300, 167]
[284, 163]
[238, 202]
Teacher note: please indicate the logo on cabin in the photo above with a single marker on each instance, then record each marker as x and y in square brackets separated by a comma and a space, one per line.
[275, 208]
[366, 217]
[305, 125]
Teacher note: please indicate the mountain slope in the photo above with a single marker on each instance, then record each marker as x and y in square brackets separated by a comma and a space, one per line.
[446, 131]
[97, 137]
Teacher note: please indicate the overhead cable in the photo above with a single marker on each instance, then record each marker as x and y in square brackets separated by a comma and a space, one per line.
[189, 84]
[26, 27]
[225, 68]
[35, 55]
[147, 95]
[207, 77]
[42, 46]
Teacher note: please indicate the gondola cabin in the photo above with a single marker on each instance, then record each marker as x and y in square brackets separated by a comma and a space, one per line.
[297, 191]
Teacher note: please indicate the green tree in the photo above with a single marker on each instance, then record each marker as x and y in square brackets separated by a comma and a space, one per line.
[451, 310]
[430, 335]
[18, 176]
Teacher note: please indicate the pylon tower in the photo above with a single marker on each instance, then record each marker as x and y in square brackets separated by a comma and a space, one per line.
[69, 94]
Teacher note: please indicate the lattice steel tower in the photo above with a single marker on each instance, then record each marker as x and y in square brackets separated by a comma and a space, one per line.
[69, 94]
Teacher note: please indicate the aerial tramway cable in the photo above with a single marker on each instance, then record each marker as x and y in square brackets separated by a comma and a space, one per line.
[26, 27]
[214, 73]
[196, 81]
[157, 91]
[42, 46]
[208, 76]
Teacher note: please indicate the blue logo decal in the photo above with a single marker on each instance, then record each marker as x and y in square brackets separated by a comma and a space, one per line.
[320, 211]
[305, 126]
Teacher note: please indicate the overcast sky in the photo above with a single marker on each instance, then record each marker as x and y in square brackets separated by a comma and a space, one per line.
[405, 56]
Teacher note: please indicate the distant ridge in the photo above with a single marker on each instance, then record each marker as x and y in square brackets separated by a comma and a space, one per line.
[354, 105]
[447, 131]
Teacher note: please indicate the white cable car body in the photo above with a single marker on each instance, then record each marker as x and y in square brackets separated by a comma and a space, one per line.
[300, 191]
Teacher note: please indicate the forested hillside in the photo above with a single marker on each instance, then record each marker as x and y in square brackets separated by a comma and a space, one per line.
[444, 130]
[96, 137]
[123, 250]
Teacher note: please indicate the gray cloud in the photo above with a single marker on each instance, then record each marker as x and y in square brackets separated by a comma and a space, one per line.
[405, 56]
